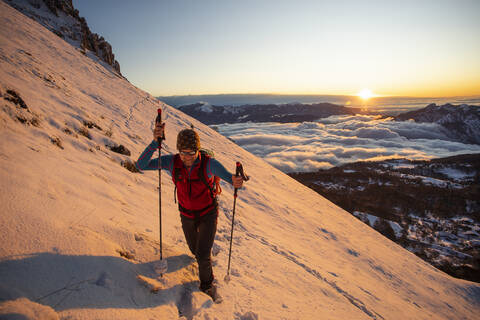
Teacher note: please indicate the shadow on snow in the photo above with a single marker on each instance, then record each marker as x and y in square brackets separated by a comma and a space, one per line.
[68, 281]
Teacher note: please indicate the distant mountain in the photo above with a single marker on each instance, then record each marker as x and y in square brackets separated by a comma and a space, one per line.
[60, 17]
[284, 113]
[461, 121]
[241, 99]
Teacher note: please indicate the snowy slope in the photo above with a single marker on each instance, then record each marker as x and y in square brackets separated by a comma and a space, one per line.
[77, 228]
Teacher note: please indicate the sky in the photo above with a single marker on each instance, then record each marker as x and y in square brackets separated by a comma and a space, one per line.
[402, 48]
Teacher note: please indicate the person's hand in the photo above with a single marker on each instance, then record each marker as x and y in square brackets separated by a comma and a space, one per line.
[237, 182]
[159, 131]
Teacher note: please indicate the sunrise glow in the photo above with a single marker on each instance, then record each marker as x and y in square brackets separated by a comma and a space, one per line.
[365, 94]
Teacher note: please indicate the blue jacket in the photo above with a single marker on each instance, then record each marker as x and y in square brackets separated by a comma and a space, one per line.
[145, 162]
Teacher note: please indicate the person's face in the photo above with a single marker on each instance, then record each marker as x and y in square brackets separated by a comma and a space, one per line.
[188, 156]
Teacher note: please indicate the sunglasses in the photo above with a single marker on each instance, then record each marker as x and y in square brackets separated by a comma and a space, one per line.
[188, 153]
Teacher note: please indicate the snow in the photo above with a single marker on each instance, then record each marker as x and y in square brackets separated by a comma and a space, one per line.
[206, 107]
[429, 180]
[371, 219]
[403, 166]
[447, 235]
[23, 308]
[456, 174]
[80, 234]
[474, 243]
[433, 181]
[49, 20]
[399, 164]
[397, 228]
[465, 220]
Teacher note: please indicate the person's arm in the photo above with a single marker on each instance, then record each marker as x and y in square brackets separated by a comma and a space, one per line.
[214, 167]
[145, 161]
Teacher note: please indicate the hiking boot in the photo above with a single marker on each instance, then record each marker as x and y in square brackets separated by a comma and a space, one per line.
[212, 292]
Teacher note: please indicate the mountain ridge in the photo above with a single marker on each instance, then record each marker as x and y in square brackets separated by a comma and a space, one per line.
[461, 121]
[283, 113]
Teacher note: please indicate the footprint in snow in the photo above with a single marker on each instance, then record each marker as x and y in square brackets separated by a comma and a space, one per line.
[327, 234]
[247, 316]
[353, 252]
[184, 305]
[191, 302]
[235, 272]
[104, 280]
[216, 249]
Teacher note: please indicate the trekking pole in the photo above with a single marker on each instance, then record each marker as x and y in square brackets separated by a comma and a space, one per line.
[162, 266]
[238, 172]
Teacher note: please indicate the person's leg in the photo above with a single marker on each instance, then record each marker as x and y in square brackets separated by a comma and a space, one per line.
[206, 235]
[190, 231]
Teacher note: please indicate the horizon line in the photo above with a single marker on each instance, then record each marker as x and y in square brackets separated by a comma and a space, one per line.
[315, 94]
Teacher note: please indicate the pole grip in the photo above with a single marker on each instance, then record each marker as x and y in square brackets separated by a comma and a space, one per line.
[159, 120]
[238, 169]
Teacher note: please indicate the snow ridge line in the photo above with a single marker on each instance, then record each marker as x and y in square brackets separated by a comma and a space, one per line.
[354, 301]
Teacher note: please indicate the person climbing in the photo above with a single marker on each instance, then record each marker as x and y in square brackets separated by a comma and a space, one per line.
[193, 173]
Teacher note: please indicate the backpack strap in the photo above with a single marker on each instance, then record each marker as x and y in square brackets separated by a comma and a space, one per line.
[175, 176]
[216, 188]
[202, 172]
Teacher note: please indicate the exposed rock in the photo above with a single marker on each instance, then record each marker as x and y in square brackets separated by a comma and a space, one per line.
[14, 97]
[60, 17]
[130, 166]
[119, 149]
[59, 5]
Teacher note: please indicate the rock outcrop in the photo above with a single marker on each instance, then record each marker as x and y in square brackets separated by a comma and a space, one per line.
[60, 17]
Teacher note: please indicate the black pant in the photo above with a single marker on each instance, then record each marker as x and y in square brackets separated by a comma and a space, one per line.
[200, 234]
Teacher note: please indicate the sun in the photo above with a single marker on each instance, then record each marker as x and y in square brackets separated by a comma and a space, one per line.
[365, 94]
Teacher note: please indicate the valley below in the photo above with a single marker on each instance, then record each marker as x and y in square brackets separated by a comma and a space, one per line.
[430, 208]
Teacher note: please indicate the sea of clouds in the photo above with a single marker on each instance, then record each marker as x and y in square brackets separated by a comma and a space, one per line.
[332, 141]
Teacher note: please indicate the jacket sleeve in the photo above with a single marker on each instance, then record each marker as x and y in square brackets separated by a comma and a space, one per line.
[215, 168]
[145, 161]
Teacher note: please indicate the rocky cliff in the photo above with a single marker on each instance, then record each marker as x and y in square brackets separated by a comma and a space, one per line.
[60, 17]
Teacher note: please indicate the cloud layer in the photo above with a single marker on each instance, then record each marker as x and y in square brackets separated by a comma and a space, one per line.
[309, 146]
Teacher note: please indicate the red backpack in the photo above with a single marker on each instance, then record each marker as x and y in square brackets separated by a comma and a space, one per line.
[196, 196]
